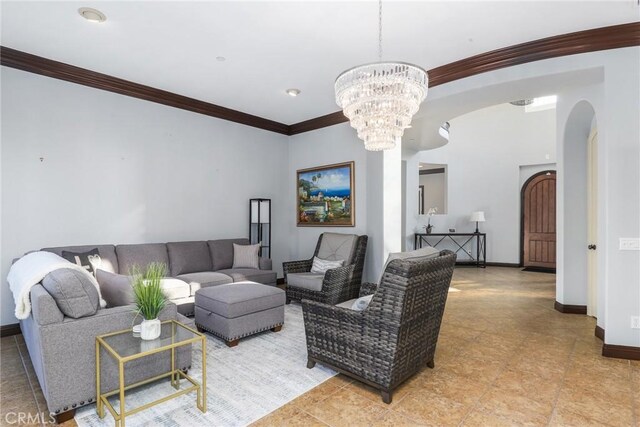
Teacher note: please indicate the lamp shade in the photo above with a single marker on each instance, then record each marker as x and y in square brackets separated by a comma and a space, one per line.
[264, 212]
[477, 217]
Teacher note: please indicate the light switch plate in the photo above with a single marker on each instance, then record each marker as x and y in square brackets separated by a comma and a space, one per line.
[629, 244]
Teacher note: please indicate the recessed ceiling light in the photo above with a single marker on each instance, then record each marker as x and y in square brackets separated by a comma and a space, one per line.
[293, 92]
[92, 15]
[221, 58]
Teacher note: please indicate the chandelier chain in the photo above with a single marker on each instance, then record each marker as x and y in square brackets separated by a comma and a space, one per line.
[380, 30]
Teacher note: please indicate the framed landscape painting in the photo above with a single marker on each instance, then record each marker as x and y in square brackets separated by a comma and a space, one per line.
[326, 196]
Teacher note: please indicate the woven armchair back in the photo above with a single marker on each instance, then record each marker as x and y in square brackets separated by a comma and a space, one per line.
[408, 306]
[359, 253]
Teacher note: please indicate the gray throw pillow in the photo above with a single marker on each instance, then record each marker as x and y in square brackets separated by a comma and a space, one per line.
[246, 256]
[73, 292]
[116, 289]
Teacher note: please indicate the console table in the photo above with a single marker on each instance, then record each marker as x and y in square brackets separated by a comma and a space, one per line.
[479, 259]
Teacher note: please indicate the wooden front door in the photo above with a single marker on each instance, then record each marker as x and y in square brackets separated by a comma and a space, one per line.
[539, 221]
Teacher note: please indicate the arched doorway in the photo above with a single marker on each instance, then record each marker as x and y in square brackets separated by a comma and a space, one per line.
[577, 280]
[538, 222]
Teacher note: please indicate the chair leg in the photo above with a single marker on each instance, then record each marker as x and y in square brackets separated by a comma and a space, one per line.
[386, 396]
[310, 363]
[288, 301]
[431, 364]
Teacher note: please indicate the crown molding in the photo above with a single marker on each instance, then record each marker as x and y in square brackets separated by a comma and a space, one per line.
[59, 70]
[613, 37]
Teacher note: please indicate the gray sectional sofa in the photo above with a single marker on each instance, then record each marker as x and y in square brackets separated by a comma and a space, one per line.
[196, 264]
[62, 349]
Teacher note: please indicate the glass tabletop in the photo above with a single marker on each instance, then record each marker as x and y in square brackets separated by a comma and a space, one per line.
[126, 344]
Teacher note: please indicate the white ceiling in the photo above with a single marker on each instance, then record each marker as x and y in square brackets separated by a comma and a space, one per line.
[271, 46]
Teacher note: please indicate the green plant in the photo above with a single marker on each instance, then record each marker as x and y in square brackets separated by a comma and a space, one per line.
[148, 295]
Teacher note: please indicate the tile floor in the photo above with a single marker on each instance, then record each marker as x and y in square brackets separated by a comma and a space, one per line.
[505, 357]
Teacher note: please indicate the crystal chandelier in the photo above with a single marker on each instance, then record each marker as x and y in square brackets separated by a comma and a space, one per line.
[380, 98]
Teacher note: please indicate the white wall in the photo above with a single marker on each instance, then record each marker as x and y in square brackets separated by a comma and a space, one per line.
[123, 170]
[485, 152]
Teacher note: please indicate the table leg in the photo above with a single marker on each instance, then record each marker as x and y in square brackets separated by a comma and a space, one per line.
[121, 378]
[203, 396]
[99, 407]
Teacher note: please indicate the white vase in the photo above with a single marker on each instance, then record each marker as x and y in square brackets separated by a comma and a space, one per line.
[150, 329]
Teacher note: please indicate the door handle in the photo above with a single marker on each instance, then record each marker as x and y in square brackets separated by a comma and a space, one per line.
[591, 247]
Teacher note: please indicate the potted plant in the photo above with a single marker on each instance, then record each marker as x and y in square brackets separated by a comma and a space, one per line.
[432, 212]
[149, 298]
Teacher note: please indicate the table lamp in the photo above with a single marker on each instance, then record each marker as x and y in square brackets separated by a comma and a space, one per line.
[477, 217]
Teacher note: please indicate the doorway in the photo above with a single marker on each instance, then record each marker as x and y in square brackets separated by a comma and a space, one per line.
[538, 222]
[592, 222]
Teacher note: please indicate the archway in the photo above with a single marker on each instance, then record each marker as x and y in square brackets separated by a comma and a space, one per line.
[574, 175]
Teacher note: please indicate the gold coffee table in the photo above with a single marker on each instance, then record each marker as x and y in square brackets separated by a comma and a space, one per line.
[124, 347]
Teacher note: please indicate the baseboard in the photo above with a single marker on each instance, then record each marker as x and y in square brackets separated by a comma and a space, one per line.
[540, 270]
[599, 332]
[503, 264]
[621, 351]
[570, 309]
[8, 330]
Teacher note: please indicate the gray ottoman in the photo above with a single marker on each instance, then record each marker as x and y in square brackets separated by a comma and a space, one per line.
[236, 310]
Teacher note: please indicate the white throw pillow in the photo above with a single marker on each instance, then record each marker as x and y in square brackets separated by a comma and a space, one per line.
[362, 303]
[322, 265]
[246, 256]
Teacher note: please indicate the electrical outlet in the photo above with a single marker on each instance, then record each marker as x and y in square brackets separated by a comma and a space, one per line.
[635, 322]
[629, 244]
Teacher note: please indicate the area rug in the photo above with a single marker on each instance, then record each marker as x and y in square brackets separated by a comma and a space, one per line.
[244, 383]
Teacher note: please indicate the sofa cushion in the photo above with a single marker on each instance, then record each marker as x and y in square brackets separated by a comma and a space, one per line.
[204, 279]
[89, 260]
[246, 256]
[189, 257]
[108, 258]
[337, 246]
[239, 299]
[311, 281]
[175, 288]
[116, 289]
[251, 274]
[141, 255]
[222, 252]
[73, 292]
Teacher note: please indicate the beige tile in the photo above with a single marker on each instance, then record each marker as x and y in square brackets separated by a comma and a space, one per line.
[529, 385]
[565, 418]
[290, 416]
[346, 408]
[394, 419]
[614, 409]
[432, 409]
[319, 393]
[516, 408]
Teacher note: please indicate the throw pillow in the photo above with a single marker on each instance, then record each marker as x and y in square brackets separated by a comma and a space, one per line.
[362, 303]
[116, 289]
[73, 292]
[322, 265]
[89, 260]
[246, 256]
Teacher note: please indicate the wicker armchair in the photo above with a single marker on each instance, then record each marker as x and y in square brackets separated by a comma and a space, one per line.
[338, 284]
[395, 336]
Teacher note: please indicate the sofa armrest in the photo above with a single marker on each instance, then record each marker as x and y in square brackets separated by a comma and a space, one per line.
[44, 309]
[265, 263]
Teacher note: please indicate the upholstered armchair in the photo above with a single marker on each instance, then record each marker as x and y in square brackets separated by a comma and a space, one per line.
[395, 336]
[337, 284]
